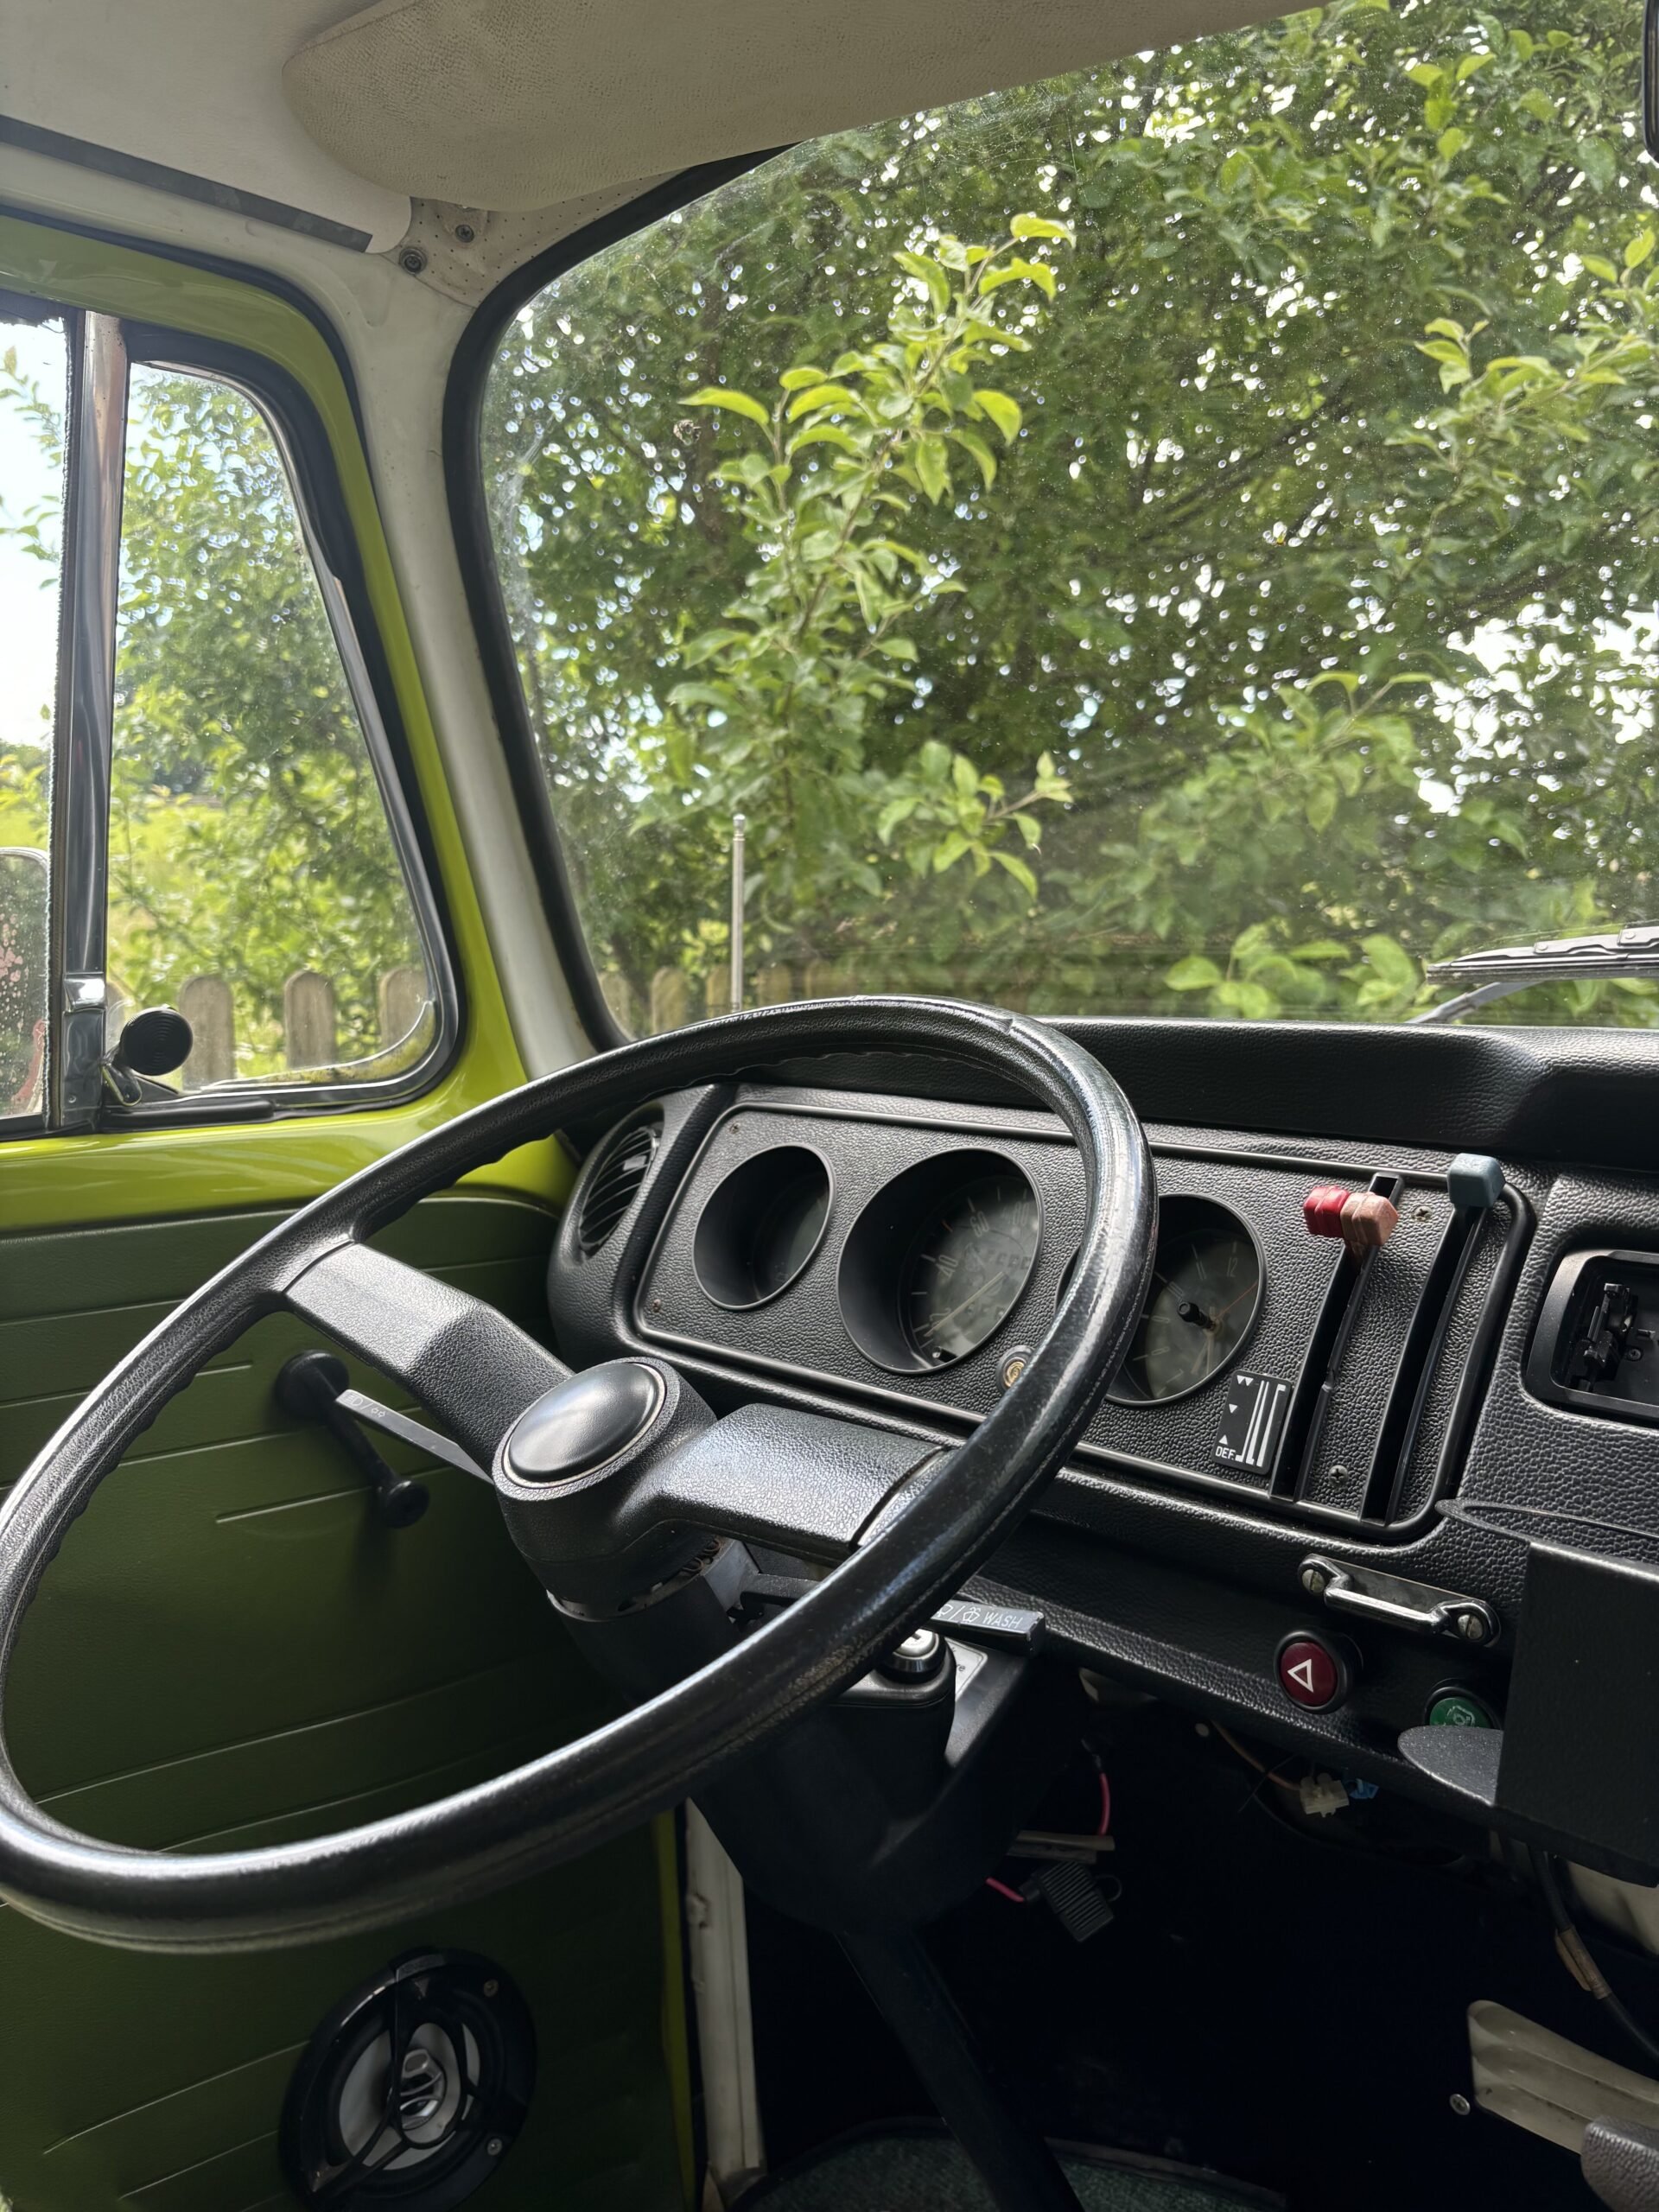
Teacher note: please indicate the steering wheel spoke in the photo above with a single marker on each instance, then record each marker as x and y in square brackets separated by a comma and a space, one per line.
[467, 1364]
[798, 1483]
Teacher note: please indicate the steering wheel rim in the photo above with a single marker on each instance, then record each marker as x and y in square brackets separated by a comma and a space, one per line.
[586, 1792]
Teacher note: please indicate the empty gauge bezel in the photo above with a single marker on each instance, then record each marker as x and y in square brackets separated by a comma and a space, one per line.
[717, 1259]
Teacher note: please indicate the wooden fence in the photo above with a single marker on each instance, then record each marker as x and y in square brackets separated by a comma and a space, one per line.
[675, 998]
[310, 1021]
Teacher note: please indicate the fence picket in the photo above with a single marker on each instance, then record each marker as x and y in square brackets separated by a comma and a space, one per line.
[207, 1004]
[400, 1000]
[310, 1032]
[670, 999]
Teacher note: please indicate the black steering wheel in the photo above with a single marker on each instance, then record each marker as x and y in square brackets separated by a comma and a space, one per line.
[900, 1554]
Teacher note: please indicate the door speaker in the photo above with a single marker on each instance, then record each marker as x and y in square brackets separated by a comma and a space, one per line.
[414, 2088]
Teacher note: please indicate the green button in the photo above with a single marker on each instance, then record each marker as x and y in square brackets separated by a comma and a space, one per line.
[1456, 1709]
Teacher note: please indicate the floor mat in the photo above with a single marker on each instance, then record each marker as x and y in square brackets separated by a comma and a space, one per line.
[923, 2171]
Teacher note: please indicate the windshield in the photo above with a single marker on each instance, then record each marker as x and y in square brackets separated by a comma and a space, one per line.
[1176, 540]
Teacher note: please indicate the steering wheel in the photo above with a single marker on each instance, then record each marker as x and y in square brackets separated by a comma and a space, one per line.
[908, 1525]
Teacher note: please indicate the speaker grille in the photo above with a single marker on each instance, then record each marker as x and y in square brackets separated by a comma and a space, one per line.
[412, 2090]
[614, 1184]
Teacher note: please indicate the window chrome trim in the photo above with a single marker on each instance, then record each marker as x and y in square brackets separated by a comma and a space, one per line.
[83, 737]
[305, 1093]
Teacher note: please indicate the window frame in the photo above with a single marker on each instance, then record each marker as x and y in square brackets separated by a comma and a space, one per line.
[103, 350]
[469, 518]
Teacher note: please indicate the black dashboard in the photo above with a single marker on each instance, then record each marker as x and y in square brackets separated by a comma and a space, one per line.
[1310, 1446]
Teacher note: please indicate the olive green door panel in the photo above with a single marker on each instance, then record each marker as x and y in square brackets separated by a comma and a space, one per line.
[231, 1650]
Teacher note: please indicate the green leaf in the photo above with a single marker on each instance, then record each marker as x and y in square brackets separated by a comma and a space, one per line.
[734, 403]
[938, 284]
[1599, 267]
[798, 379]
[1195, 973]
[1041, 226]
[1638, 248]
[1393, 963]
[825, 434]
[949, 851]
[1451, 142]
[1003, 412]
[932, 467]
[1019, 272]
[1018, 870]
[820, 394]
[971, 442]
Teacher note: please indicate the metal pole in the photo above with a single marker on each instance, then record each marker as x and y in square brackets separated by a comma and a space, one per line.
[737, 912]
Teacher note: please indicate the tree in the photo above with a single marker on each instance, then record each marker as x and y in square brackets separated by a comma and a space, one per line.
[1322, 564]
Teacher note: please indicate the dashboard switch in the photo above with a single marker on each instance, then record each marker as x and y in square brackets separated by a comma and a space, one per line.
[1322, 1209]
[1363, 1219]
[1312, 1673]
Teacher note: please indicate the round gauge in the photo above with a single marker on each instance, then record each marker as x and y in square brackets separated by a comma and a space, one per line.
[1206, 1286]
[968, 1262]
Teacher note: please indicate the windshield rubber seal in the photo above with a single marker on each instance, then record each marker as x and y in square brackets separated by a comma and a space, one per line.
[463, 469]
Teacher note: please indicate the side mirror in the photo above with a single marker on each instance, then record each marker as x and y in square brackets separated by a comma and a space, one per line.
[24, 970]
[156, 1041]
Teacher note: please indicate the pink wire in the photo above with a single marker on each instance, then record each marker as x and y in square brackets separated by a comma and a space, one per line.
[1105, 1804]
[1003, 1890]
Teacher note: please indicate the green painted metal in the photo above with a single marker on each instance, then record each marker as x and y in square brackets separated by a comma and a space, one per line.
[146, 1175]
[230, 1649]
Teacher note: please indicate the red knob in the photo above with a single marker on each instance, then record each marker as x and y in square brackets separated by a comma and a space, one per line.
[1322, 1209]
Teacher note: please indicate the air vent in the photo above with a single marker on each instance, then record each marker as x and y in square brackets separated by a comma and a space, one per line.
[614, 1184]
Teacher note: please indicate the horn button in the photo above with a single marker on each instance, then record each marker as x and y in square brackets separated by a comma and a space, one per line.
[580, 1425]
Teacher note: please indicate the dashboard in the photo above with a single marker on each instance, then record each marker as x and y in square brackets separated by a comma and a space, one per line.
[1309, 1442]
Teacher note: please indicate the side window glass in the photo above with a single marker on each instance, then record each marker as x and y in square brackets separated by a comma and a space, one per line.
[34, 377]
[254, 882]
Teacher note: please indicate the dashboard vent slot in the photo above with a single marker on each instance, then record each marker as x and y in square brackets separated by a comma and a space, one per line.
[614, 1184]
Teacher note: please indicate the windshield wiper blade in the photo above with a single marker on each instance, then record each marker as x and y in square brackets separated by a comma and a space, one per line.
[1500, 970]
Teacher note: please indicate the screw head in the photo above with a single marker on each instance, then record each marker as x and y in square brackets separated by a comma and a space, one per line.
[1459, 2104]
[412, 260]
[491, 1987]
[1472, 1628]
[495, 2146]
[465, 233]
[1315, 1580]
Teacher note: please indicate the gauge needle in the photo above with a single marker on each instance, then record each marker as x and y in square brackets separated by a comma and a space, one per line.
[972, 1298]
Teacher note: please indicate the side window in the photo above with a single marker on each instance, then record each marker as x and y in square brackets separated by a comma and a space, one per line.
[253, 880]
[33, 379]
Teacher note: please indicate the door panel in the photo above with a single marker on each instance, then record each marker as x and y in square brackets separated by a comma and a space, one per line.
[230, 1648]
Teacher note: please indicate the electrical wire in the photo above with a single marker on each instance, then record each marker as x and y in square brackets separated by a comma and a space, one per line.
[1003, 1890]
[1578, 1958]
[1250, 1759]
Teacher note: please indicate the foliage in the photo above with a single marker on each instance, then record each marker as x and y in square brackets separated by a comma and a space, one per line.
[1320, 559]
[247, 836]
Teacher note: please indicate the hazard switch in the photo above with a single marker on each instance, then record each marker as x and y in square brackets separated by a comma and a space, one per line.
[1312, 1673]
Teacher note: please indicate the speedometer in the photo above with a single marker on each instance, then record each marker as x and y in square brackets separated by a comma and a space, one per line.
[967, 1264]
